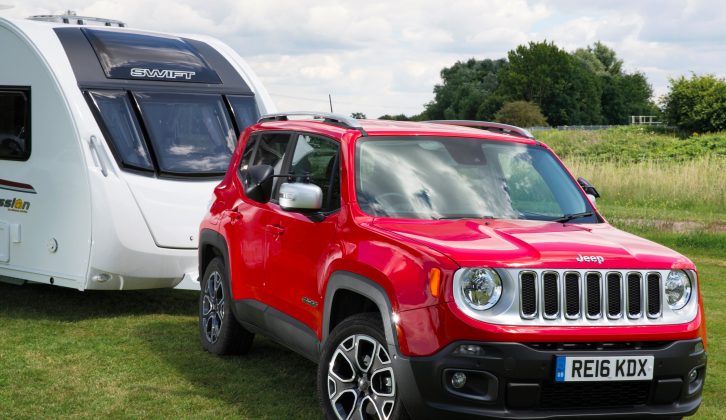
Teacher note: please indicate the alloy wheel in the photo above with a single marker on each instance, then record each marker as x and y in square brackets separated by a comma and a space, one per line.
[361, 383]
[213, 307]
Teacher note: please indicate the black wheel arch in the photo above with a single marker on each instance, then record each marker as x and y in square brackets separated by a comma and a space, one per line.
[211, 245]
[351, 283]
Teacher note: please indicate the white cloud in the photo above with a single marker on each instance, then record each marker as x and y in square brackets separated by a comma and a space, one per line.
[381, 57]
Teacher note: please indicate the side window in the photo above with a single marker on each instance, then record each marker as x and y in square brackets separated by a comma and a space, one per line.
[120, 121]
[270, 150]
[245, 110]
[244, 163]
[316, 159]
[15, 124]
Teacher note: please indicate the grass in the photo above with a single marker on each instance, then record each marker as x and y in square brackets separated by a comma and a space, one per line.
[70, 354]
[633, 144]
[697, 185]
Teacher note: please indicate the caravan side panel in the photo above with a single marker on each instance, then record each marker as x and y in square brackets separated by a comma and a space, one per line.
[49, 229]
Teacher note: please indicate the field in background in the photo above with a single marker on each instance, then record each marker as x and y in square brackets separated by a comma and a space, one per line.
[137, 354]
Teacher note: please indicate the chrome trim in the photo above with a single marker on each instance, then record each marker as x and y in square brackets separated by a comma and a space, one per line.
[508, 310]
[536, 294]
[578, 315]
[542, 295]
[607, 295]
[587, 294]
[642, 300]
[661, 292]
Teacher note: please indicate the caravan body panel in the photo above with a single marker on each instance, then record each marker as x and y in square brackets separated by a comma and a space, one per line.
[94, 222]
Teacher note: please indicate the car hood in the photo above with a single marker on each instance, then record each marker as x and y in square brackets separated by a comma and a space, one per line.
[536, 244]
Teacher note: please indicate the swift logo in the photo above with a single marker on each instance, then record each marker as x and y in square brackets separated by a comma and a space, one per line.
[162, 74]
[590, 258]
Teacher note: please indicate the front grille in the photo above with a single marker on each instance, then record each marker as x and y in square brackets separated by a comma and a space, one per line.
[551, 295]
[575, 395]
[594, 304]
[615, 304]
[634, 301]
[572, 295]
[654, 293]
[590, 295]
[528, 288]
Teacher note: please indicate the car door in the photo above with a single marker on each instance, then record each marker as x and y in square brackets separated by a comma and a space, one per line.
[247, 221]
[298, 245]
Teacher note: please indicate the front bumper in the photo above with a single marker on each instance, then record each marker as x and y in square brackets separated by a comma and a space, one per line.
[516, 380]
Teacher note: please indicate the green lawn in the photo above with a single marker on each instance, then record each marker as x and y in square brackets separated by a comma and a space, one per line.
[65, 353]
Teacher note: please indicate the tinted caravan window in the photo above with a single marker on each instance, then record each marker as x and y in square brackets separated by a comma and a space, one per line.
[136, 56]
[189, 133]
[245, 110]
[123, 128]
[14, 124]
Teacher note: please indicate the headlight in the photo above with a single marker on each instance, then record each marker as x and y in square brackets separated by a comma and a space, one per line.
[480, 287]
[677, 289]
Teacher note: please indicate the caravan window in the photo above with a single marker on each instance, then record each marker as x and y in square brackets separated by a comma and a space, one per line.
[245, 110]
[15, 124]
[123, 128]
[190, 133]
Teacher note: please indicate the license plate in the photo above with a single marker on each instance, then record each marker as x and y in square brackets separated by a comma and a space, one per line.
[605, 368]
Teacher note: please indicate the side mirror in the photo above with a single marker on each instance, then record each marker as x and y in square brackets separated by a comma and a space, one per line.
[300, 197]
[588, 188]
[258, 182]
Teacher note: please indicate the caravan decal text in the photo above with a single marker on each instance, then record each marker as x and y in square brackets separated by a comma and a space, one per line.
[161, 73]
[15, 204]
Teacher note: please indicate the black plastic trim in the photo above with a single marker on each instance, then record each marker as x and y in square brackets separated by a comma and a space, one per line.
[426, 397]
[345, 280]
[280, 327]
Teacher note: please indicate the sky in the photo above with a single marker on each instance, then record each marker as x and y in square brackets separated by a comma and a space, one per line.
[385, 56]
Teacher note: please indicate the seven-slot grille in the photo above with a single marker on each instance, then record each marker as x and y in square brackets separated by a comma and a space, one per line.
[590, 294]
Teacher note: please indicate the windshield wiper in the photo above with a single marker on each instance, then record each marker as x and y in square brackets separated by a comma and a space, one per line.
[567, 217]
[463, 216]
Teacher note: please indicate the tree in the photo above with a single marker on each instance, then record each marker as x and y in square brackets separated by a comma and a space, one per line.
[466, 90]
[521, 113]
[358, 115]
[398, 117]
[566, 92]
[696, 105]
[623, 94]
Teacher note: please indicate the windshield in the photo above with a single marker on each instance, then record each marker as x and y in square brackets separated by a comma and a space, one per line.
[182, 134]
[454, 178]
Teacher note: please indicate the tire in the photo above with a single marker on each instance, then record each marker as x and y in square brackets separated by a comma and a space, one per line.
[355, 365]
[218, 329]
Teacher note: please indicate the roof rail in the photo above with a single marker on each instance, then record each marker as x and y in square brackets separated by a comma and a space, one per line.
[78, 20]
[490, 126]
[327, 117]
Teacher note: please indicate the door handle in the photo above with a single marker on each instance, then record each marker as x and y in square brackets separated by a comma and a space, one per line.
[275, 229]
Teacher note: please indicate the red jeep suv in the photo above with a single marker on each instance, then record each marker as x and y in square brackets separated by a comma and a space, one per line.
[434, 270]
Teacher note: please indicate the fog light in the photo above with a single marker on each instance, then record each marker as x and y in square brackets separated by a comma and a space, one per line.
[692, 376]
[458, 380]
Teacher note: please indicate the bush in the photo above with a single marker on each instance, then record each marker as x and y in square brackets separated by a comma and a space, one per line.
[521, 114]
[696, 105]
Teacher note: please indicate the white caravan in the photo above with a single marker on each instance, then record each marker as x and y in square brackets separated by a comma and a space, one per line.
[111, 142]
